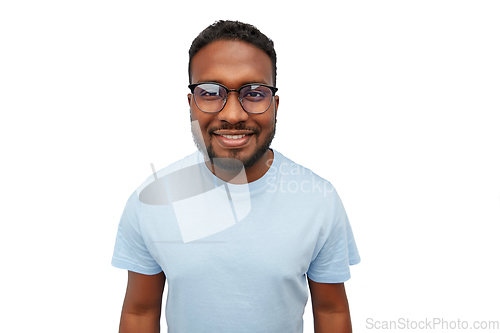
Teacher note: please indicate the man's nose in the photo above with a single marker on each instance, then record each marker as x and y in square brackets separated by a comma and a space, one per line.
[232, 112]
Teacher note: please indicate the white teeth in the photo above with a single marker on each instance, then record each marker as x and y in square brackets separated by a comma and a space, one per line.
[234, 136]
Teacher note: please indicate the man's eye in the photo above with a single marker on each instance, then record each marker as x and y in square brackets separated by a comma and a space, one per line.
[207, 93]
[254, 94]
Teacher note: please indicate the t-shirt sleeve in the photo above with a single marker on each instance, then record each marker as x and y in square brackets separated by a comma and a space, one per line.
[130, 251]
[336, 249]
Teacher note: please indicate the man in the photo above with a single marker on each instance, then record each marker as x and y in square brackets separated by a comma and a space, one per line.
[236, 227]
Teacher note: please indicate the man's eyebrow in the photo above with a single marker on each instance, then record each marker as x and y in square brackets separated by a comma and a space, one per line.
[249, 82]
[262, 81]
[241, 85]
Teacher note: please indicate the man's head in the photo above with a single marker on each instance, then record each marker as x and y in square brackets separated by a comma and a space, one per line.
[233, 30]
[233, 133]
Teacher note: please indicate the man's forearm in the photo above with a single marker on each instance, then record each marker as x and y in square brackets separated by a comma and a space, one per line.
[330, 322]
[139, 323]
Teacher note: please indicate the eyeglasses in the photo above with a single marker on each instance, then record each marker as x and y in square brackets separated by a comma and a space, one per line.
[211, 97]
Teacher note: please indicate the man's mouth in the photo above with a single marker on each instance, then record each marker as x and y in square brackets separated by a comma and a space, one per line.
[232, 139]
[233, 136]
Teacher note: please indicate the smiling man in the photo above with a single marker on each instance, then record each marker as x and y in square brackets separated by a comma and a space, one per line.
[238, 231]
[236, 124]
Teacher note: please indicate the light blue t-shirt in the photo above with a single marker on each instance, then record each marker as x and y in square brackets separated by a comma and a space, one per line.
[236, 256]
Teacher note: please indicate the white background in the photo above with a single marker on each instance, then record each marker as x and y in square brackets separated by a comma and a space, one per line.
[395, 102]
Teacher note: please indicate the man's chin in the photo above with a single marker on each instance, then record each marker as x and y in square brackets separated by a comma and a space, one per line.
[227, 163]
[233, 161]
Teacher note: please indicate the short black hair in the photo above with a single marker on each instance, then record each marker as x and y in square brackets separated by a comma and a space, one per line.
[233, 30]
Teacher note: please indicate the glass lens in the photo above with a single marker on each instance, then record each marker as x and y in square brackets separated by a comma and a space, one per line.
[210, 97]
[256, 98]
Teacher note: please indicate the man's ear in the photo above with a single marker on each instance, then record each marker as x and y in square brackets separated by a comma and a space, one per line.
[189, 99]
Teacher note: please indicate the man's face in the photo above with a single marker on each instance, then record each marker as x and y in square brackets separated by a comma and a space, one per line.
[233, 64]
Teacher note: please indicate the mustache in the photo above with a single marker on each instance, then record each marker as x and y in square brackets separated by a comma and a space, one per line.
[235, 128]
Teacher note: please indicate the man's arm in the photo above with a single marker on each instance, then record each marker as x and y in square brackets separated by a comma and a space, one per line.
[142, 305]
[330, 307]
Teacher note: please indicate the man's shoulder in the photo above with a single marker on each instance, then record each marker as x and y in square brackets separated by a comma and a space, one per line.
[289, 167]
[302, 182]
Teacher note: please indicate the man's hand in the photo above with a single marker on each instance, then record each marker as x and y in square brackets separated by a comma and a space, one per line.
[142, 305]
[330, 307]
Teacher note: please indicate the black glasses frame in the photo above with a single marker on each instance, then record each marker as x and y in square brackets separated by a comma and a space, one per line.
[273, 90]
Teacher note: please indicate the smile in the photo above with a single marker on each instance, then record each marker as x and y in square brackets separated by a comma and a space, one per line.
[233, 140]
[233, 136]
